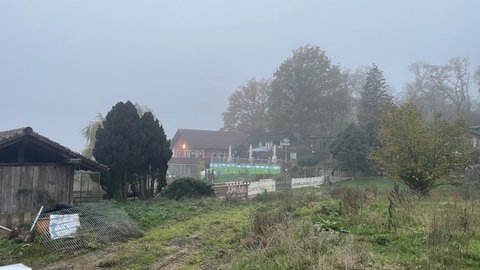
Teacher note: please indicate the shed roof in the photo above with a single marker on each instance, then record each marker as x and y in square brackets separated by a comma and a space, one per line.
[475, 130]
[43, 148]
[208, 139]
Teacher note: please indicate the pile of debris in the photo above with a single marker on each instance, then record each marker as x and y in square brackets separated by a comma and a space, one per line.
[68, 229]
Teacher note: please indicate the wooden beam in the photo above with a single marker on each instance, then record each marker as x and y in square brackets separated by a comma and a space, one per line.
[21, 153]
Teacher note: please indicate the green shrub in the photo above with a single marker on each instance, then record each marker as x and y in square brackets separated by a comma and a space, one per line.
[327, 225]
[329, 211]
[188, 187]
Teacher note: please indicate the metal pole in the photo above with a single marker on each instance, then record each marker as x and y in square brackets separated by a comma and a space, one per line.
[81, 187]
[5, 228]
[36, 218]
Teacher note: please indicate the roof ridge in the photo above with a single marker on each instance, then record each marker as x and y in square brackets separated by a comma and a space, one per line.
[14, 134]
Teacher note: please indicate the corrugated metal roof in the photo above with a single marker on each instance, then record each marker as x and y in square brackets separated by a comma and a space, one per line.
[475, 130]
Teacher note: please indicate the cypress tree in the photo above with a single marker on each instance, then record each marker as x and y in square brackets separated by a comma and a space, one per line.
[135, 149]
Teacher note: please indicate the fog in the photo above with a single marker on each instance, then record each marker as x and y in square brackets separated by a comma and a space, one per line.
[63, 62]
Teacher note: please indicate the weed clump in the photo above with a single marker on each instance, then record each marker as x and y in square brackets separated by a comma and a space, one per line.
[352, 198]
[396, 198]
[263, 225]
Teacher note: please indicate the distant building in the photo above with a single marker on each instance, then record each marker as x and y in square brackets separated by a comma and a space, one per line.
[193, 149]
[193, 143]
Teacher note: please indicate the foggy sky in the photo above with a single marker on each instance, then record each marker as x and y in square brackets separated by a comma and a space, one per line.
[63, 62]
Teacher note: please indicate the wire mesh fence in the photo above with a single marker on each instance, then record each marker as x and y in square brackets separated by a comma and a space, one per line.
[87, 226]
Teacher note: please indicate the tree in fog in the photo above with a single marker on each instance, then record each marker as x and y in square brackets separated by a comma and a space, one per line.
[116, 147]
[423, 92]
[477, 77]
[373, 97]
[90, 130]
[135, 149]
[247, 107]
[89, 133]
[351, 149]
[156, 152]
[309, 95]
[373, 101]
[456, 84]
[441, 88]
[356, 80]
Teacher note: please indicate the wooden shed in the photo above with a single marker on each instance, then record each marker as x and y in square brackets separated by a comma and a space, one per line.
[35, 171]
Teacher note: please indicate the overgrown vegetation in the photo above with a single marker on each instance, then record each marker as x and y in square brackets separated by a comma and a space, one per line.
[358, 224]
[367, 223]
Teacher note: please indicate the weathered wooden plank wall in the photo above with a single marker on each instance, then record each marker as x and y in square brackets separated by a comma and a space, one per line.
[24, 189]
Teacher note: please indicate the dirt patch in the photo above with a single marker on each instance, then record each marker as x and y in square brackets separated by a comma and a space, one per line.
[171, 261]
[108, 258]
[92, 260]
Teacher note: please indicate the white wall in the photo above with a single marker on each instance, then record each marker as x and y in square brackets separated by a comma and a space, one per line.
[261, 186]
[307, 182]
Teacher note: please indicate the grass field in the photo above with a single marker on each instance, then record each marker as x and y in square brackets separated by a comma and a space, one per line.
[367, 223]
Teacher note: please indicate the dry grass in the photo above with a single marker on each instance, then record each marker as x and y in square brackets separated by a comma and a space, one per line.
[300, 229]
[435, 232]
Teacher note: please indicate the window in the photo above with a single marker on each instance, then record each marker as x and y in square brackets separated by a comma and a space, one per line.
[200, 154]
[214, 154]
[177, 153]
[192, 154]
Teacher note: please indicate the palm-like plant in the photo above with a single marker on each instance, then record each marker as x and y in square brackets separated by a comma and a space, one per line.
[89, 133]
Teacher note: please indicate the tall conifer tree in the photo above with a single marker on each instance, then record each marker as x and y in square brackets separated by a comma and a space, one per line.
[135, 149]
[374, 97]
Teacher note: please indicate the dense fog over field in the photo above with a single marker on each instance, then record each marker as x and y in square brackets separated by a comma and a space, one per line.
[64, 62]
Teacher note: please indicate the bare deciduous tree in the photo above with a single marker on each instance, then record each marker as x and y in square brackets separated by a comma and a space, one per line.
[477, 77]
[441, 88]
[456, 82]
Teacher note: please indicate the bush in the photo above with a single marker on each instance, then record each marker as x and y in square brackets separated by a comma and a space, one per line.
[188, 187]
